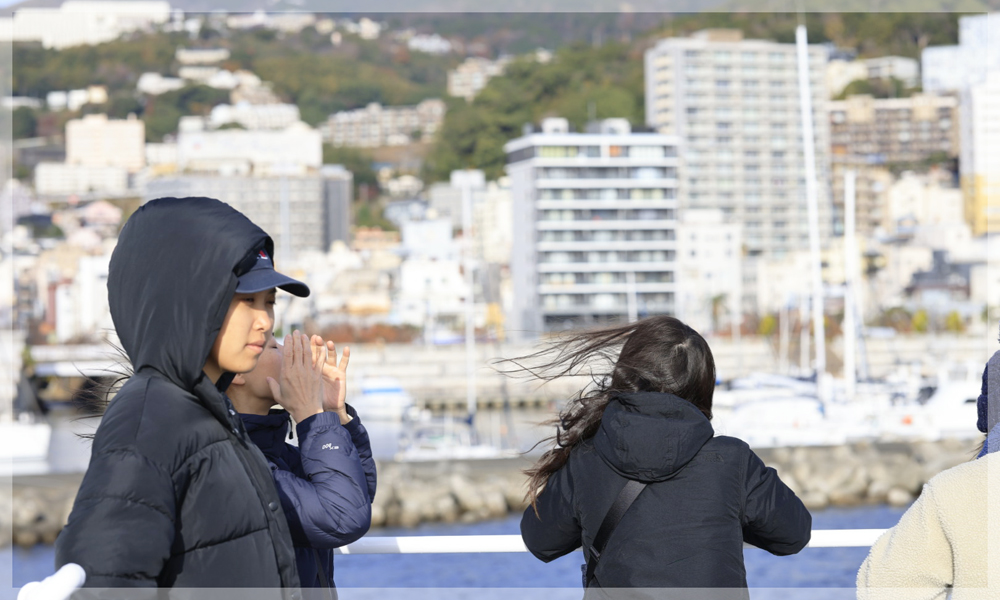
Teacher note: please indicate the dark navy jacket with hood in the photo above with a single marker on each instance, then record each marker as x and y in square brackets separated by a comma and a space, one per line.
[176, 495]
[326, 484]
[705, 496]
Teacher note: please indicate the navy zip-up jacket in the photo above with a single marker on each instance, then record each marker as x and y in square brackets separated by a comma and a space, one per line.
[326, 485]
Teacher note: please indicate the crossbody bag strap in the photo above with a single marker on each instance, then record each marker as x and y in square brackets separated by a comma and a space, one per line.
[324, 582]
[621, 505]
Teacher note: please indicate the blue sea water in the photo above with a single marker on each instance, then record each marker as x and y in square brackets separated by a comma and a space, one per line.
[817, 568]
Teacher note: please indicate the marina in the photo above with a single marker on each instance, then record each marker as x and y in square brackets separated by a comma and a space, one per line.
[605, 227]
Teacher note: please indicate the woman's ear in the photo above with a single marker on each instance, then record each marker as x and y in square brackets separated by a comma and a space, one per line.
[239, 380]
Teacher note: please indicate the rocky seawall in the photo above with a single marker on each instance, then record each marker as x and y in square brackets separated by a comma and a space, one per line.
[33, 509]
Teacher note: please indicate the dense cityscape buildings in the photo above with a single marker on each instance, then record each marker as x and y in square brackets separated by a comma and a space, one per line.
[702, 215]
[734, 104]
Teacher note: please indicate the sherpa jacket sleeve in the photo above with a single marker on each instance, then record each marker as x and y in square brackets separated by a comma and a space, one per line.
[359, 435]
[911, 561]
[121, 527]
[555, 531]
[774, 519]
[330, 507]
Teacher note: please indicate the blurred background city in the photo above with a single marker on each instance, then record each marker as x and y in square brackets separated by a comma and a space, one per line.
[457, 188]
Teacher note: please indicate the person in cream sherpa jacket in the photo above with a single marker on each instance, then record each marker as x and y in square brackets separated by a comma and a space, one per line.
[949, 540]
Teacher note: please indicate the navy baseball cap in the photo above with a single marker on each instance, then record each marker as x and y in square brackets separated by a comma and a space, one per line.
[261, 276]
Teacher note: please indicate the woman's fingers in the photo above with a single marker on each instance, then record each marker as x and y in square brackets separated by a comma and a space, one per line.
[288, 352]
[345, 358]
[318, 349]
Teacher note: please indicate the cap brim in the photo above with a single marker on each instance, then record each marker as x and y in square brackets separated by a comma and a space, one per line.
[265, 279]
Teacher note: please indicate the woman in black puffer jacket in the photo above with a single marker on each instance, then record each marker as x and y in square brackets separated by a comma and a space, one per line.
[176, 495]
[647, 421]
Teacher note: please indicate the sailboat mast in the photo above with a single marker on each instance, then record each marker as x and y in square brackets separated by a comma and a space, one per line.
[850, 272]
[809, 155]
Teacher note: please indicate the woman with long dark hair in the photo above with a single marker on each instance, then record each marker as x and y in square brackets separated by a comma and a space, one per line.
[637, 476]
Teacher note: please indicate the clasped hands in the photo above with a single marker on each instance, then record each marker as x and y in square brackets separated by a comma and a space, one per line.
[312, 380]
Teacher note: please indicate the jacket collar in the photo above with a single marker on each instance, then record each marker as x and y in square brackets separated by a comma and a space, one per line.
[267, 431]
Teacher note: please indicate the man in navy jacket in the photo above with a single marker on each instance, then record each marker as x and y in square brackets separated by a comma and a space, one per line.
[327, 483]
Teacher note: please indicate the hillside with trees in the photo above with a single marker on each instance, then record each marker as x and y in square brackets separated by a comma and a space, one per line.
[596, 73]
[586, 82]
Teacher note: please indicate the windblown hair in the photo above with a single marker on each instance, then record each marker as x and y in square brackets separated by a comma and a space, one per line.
[97, 392]
[657, 354]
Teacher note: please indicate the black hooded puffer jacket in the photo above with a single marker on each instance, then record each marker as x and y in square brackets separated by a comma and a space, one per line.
[705, 496]
[176, 495]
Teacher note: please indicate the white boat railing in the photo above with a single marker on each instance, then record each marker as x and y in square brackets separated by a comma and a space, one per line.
[456, 544]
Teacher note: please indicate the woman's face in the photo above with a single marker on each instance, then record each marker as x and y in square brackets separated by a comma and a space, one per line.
[244, 333]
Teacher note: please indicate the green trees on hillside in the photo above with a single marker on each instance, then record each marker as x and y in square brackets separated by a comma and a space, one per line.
[582, 82]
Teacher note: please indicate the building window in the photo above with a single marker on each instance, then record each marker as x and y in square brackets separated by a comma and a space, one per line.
[646, 152]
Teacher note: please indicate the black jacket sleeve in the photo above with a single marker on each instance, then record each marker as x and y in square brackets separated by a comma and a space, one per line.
[774, 518]
[330, 507]
[121, 528]
[555, 531]
[359, 435]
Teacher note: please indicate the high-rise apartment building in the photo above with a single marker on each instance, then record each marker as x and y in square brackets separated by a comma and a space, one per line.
[979, 160]
[594, 225]
[734, 105]
[953, 68]
[300, 213]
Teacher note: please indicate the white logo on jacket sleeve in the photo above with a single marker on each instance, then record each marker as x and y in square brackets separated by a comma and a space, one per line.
[330, 447]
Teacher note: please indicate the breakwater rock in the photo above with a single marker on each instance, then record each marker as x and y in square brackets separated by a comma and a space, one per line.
[865, 472]
[34, 509]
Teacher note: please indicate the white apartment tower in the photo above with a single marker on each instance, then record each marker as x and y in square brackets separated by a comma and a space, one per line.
[734, 104]
[594, 226]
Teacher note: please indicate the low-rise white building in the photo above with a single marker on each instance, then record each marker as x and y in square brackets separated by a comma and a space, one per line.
[96, 141]
[254, 116]
[201, 56]
[904, 69]
[493, 223]
[60, 179]
[431, 239]
[83, 22]
[297, 149]
[430, 44]
[709, 269]
[376, 125]
[154, 84]
[431, 292]
[74, 100]
[81, 305]
[215, 77]
[468, 78]
[161, 154]
[446, 198]
[920, 200]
